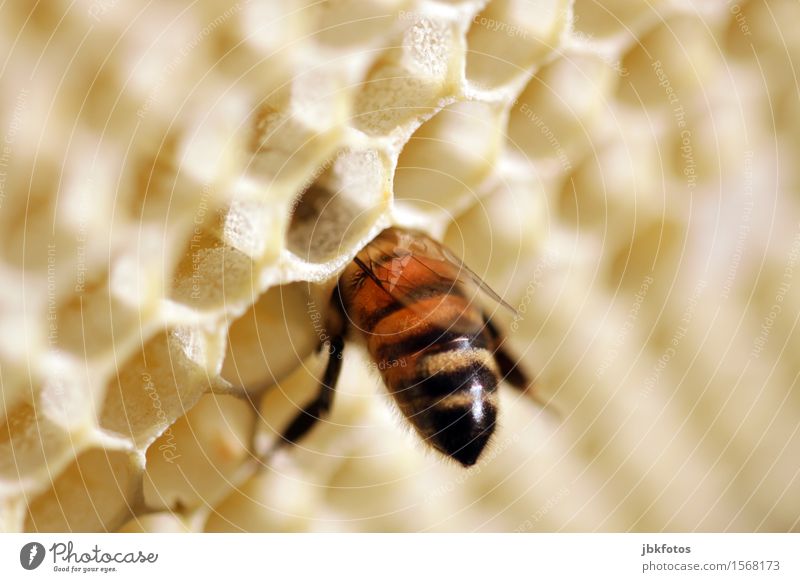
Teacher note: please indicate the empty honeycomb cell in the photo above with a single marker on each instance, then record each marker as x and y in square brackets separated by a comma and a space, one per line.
[344, 23]
[788, 117]
[19, 331]
[447, 158]
[42, 18]
[409, 81]
[270, 501]
[738, 35]
[713, 145]
[33, 237]
[653, 251]
[162, 192]
[15, 391]
[31, 447]
[259, 69]
[761, 33]
[681, 327]
[195, 460]
[553, 117]
[774, 304]
[504, 257]
[153, 72]
[93, 494]
[69, 50]
[107, 106]
[274, 336]
[68, 395]
[733, 402]
[138, 268]
[510, 36]
[214, 153]
[581, 206]
[267, 26]
[296, 127]
[670, 63]
[172, 91]
[254, 227]
[616, 186]
[615, 18]
[93, 319]
[12, 514]
[396, 493]
[211, 274]
[220, 26]
[82, 210]
[336, 211]
[158, 385]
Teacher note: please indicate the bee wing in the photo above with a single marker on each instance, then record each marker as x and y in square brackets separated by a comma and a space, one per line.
[404, 290]
[466, 275]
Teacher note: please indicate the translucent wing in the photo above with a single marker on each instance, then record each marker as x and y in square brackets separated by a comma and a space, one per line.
[466, 275]
[386, 260]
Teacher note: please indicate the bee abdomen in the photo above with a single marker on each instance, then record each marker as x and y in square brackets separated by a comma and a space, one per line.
[428, 343]
[452, 401]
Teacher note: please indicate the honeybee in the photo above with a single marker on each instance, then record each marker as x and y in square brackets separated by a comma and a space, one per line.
[412, 302]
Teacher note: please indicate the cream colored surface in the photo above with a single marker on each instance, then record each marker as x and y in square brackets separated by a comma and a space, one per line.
[175, 183]
[450, 361]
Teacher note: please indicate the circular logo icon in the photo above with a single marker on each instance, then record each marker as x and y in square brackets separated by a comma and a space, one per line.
[31, 555]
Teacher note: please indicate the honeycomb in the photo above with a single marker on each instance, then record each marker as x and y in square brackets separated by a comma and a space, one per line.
[180, 185]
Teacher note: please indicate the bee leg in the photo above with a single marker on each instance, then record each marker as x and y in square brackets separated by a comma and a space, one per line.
[321, 405]
[509, 367]
[305, 420]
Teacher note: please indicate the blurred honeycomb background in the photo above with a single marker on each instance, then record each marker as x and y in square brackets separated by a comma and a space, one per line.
[180, 182]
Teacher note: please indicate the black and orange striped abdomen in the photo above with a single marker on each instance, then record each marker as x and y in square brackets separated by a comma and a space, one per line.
[427, 339]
